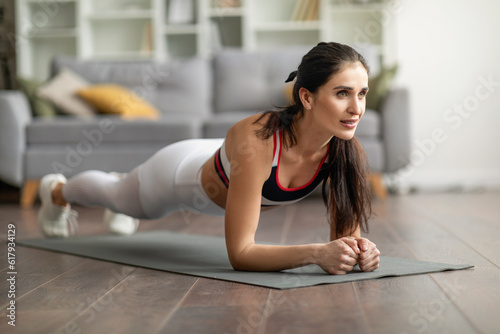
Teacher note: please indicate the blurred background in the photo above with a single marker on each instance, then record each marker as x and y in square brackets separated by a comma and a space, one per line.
[444, 53]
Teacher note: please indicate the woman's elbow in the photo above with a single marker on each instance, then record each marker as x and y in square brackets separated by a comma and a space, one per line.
[239, 260]
[238, 263]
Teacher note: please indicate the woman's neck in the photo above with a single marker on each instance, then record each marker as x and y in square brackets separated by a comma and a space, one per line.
[310, 139]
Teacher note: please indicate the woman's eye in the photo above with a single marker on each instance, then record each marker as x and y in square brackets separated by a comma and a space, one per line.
[342, 93]
[363, 93]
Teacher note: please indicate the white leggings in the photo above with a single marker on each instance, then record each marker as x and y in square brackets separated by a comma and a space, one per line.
[167, 182]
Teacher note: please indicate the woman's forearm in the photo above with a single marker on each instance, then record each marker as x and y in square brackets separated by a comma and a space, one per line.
[258, 257]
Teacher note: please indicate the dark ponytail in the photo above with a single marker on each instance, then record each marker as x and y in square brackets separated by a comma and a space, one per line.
[346, 192]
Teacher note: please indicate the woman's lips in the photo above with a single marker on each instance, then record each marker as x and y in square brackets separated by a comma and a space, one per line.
[349, 123]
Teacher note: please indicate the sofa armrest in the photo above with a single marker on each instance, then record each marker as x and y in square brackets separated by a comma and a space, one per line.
[395, 111]
[15, 114]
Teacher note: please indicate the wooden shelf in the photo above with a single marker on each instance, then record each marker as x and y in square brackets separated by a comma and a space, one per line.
[45, 1]
[181, 29]
[121, 15]
[339, 8]
[224, 12]
[54, 33]
[112, 29]
[123, 55]
[287, 26]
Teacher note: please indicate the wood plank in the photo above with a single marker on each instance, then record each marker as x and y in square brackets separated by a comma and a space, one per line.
[309, 223]
[54, 304]
[399, 299]
[271, 224]
[138, 303]
[322, 309]
[37, 267]
[471, 292]
[314, 309]
[384, 289]
[453, 228]
[477, 225]
[214, 306]
[475, 292]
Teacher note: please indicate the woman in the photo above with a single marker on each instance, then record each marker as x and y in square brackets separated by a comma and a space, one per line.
[274, 158]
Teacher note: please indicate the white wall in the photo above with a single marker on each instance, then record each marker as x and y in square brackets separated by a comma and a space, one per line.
[447, 49]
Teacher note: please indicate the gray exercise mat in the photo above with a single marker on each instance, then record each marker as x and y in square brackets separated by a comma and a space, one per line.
[206, 256]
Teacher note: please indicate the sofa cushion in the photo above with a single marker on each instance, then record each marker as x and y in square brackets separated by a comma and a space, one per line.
[61, 90]
[218, 125]
[375, 152]
[178, 86]
[73, 159]
[252, 81]
[39, 106]
[117, 100]
[369, 126]
[66, 130]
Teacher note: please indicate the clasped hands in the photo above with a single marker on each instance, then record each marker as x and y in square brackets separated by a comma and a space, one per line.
[341, 255]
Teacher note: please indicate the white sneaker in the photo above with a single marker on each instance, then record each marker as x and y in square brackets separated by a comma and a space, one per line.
[119, 223]
[55, 220]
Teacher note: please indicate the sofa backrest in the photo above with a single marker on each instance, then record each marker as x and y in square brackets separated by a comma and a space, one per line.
[253, 81]
[180, 86]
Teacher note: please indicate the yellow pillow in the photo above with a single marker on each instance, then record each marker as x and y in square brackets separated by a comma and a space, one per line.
[115, 99]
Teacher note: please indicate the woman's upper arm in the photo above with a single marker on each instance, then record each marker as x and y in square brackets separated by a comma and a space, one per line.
[250, 167]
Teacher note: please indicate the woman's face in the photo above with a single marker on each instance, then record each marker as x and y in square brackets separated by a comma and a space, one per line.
[337, 106]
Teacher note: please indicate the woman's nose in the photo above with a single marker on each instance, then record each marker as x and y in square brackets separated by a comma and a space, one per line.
[356, 107]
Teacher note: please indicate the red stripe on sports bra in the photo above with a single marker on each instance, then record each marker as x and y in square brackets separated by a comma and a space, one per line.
[305, 185]
[220, 170]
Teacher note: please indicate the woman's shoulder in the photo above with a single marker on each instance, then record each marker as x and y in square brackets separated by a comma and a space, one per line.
[244, 135]
[247, 128]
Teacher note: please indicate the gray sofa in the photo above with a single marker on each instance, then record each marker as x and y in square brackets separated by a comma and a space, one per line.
[197, 98]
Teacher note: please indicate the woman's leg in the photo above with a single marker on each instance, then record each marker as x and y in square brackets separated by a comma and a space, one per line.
[147, 192]
[96, 188]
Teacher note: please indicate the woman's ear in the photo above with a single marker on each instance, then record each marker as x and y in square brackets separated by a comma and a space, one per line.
[306, 98]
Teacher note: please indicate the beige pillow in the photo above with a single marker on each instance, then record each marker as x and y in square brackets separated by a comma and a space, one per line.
[61, 91]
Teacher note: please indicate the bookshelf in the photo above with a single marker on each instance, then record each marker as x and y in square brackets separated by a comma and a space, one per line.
[115, 29]
[284, 22]
[183, 32]
[162, 29]
[227, 25]
[43, 29]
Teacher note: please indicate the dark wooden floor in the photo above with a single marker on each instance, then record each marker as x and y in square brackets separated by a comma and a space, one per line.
[59, 293]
